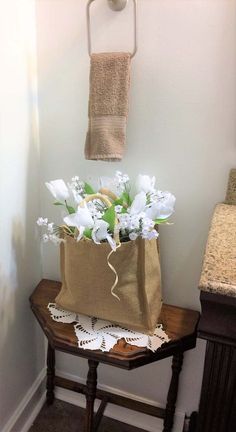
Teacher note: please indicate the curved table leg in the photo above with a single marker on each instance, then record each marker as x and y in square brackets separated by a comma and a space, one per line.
[90, 395]
[50, 374]
[177, 363]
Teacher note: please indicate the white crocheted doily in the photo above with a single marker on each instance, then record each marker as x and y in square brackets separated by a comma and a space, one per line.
[96, 334]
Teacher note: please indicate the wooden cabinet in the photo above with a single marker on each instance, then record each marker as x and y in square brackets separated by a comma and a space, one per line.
[217, 409]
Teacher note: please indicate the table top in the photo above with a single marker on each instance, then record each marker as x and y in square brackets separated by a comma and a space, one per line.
[179, 324]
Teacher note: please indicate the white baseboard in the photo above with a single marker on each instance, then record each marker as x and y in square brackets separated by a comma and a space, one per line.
[31, 404]
[133, 418]
[29, 407]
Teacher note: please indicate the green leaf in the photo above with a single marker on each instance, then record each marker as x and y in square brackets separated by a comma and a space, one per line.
[58, 203]
[126, 199]
[109, 217]
[88, 233]
[118, 201]
[70, 209]
[88, 189]
[160, 221]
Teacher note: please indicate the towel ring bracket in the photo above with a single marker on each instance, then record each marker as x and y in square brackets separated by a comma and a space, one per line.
[115, 5]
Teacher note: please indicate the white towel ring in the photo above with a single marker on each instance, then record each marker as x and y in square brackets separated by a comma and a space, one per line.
[116, 5]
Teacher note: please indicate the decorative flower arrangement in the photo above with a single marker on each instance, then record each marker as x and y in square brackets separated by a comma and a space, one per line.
[115, 213]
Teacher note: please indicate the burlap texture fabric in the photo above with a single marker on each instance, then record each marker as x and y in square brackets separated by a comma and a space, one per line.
[87, 282]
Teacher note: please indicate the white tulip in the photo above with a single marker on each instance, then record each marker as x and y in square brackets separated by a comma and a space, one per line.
[138, 204]
[82, 218]
[58, 189]
[100, 232]
[163, 208]
[145, 183]
[109, 183]
[81, 233]
[77, 197]
[117, 184]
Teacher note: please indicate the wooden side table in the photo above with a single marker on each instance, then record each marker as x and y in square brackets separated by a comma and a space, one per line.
[180, 325]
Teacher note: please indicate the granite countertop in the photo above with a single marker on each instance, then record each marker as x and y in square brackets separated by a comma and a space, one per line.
[219, 266]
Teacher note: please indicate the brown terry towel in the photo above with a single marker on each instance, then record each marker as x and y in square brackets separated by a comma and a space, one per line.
[108, 106]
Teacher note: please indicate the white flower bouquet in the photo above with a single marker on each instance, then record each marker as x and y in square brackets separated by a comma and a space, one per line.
[108, 242]
[112, 214]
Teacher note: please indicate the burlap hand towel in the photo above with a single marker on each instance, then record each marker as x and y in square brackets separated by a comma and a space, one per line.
[108, 106]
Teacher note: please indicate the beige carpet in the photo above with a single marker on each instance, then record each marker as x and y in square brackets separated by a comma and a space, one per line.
[63, 417]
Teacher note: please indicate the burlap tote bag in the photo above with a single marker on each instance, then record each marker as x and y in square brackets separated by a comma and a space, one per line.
[87, 281]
